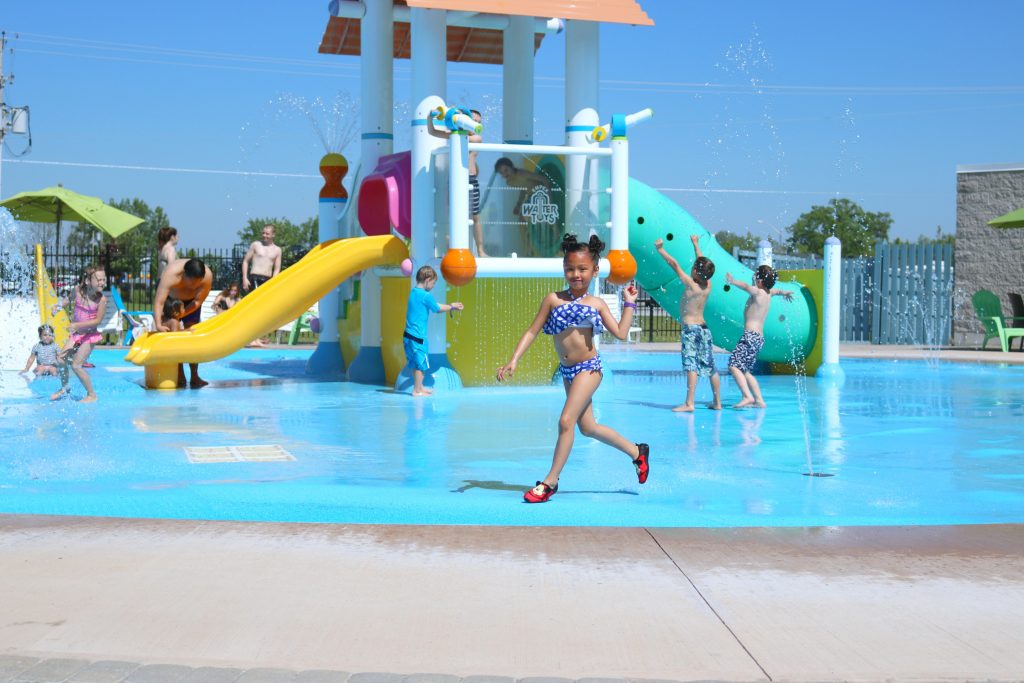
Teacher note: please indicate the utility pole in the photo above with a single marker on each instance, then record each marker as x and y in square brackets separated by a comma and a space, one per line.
[12, 119]
[3, 108]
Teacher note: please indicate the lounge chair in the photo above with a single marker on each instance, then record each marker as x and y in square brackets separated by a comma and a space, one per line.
[295, 327]
[634, 332]
[136, 322]
[111, 322]
[990, 313]
[207, 310]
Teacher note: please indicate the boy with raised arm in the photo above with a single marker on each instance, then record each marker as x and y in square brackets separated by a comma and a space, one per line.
[743, 356]
[695, 337]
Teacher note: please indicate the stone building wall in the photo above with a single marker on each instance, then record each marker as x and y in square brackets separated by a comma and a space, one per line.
[986, 257]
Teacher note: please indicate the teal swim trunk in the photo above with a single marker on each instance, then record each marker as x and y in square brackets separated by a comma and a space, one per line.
[698, 354]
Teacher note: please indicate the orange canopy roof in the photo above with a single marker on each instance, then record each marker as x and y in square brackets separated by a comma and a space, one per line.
[605, 11]
[479, 45]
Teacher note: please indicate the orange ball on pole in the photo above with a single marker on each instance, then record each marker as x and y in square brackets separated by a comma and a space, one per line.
[459, 267]
[623, 266]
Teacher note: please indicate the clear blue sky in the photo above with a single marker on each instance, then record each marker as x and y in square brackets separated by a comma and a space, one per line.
[761, 109]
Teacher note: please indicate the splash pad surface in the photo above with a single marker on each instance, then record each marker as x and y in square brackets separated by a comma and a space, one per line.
[905, 443]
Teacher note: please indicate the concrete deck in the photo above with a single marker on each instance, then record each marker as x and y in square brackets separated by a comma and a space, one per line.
[865, 604]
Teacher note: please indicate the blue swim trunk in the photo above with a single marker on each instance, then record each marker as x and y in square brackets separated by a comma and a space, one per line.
[569, 372]
[698, 354]
[415, 353]
[745, 353]
[193, 317]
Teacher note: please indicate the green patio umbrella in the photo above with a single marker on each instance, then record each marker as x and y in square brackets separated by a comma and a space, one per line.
[56, 204]
[1014, 219]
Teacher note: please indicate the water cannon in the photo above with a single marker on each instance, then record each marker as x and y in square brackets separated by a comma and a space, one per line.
[619, 125]
[457, 119]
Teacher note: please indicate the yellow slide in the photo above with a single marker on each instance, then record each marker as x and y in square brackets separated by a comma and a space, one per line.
[51, 308]
[281, 300]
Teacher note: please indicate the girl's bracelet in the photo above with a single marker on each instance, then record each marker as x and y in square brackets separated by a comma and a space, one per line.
[628, 304]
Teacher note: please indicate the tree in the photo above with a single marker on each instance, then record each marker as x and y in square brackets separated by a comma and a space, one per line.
[727, 240]
[940, 239]
[294, 240]
[125, 251]
[856, 228]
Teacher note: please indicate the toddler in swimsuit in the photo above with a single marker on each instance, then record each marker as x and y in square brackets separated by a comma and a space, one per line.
[414, 337]
[573, 317]
[44, 354]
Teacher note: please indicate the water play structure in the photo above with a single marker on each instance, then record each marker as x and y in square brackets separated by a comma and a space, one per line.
[419, 200]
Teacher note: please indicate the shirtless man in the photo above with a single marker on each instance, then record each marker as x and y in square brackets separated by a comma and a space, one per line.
[526, 182]
[743, 356]
[190, 282]
[474, 182]
[697, 351]
[264, 258]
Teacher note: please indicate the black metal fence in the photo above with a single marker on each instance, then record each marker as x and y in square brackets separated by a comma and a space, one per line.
[134, 272]
[657, 324]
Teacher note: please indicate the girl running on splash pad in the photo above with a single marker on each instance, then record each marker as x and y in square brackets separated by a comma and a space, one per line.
[573, 317]
[90, 305]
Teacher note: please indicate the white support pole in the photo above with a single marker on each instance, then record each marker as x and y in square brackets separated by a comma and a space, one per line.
[376, 90]
[581, 174]
[376, 35]
[517, 81]
[830, 311]
[458, 190]
[620, 194]
[582, 99]
[764, 253]
[429, 76]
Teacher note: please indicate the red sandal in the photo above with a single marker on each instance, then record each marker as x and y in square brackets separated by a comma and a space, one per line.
[643, 462]
[546, 492]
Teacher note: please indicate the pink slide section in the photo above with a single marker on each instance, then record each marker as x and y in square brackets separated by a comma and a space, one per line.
[385, 199]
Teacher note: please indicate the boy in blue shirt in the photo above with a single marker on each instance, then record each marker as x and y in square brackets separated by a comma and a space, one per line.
[421, 305]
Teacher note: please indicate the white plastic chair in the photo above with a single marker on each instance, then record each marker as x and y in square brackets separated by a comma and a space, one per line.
[207, 310]
[616, 310]
[111, 322]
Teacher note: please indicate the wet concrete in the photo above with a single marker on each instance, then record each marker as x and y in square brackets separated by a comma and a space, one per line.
[853, 603]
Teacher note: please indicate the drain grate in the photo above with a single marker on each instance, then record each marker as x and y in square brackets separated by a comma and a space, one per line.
[208, 454]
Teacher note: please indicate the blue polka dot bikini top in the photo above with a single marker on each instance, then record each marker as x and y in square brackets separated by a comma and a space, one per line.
[573, 314]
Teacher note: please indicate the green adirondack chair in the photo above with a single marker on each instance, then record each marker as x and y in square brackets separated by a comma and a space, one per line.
[990, 313]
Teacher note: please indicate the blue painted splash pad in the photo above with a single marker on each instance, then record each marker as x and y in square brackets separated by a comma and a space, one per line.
[905, 442]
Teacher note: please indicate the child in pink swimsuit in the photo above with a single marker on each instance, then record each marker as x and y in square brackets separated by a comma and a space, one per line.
[90, 306]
